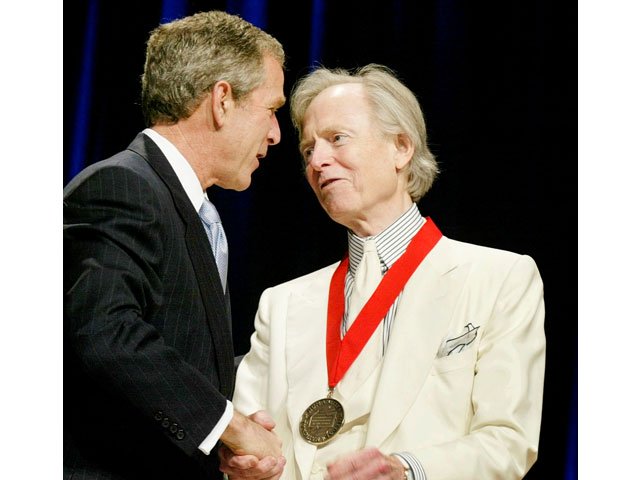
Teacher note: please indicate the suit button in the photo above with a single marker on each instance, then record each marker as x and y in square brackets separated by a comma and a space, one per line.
[165, 422]
[180, 434]
[173, 428]
[158, 415]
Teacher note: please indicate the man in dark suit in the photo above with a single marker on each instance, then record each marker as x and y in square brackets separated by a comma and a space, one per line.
[148, 354]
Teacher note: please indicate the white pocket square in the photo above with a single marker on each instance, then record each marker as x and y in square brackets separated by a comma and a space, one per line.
[460, 342]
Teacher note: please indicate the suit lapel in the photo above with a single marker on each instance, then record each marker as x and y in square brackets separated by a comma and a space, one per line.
[214, 302]
[199, 249]
[306, 358]
[423, 316]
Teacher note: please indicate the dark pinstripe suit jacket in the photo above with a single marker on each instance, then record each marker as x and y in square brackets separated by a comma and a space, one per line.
[148, 354]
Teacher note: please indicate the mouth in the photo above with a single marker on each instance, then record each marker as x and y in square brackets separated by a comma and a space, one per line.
[259, 157]
[326, 183]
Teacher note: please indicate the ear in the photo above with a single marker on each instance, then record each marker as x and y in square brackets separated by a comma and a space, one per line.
[404, 150]
[221, 101]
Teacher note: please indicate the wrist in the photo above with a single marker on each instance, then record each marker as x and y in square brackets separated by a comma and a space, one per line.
[406, 469]
[233, 433]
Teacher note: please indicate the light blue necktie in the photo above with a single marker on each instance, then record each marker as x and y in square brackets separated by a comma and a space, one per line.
[217, 238]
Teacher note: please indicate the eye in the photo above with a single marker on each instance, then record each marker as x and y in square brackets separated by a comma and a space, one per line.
[338, 137]
[307, 152]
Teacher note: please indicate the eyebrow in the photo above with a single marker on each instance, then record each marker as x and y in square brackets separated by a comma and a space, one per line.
[328, 130]
[302, 145]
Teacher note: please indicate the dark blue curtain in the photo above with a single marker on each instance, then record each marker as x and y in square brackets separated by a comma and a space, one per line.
[497, 84]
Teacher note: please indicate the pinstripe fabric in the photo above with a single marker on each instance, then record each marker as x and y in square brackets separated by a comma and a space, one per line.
[148, 356]
[391, 244]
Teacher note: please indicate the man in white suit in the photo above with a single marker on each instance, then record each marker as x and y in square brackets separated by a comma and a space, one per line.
[440, 374]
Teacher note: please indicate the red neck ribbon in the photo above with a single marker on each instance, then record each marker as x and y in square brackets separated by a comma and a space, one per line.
[342, 353]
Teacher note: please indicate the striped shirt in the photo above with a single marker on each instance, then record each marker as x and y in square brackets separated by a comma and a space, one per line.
[391, 243]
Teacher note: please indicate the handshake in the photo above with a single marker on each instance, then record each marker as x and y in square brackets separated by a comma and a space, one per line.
[250, 445]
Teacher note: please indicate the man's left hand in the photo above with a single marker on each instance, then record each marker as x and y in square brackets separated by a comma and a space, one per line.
[367, 464]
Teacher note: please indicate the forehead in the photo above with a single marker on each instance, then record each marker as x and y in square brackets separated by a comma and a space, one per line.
[343, 94]
[346, 102]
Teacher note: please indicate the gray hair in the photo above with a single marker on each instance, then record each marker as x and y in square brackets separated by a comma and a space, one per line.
[186, 57]
[395, 108]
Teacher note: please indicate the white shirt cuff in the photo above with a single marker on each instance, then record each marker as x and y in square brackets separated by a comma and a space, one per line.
[415, 472]
[208, 443]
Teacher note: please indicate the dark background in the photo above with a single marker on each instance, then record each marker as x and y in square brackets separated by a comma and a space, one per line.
[497, 83]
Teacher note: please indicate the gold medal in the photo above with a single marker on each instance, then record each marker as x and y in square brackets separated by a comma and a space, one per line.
[321, 421]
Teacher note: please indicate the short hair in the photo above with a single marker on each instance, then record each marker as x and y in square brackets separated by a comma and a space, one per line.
[395, 108]
[186, 57]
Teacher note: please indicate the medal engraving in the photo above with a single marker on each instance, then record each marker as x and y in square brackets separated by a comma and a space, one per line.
[321, 421]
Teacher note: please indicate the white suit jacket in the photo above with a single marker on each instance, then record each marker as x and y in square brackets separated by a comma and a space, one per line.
[472, 414]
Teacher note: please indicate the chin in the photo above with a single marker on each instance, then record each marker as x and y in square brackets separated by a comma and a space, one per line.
[242, 184]
[337, 213]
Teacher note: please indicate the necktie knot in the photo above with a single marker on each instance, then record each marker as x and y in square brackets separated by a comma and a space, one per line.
[208, 213]
[370, 246]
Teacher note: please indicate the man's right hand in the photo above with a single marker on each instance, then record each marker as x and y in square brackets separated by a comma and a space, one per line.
[252, 466]
[252, 436]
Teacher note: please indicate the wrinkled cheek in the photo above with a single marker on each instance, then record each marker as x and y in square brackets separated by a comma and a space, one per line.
[310, 180]
[333, 204]
[325, 200]
[319, 195]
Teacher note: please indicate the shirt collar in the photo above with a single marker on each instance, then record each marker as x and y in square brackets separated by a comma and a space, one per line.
[391, 243]
[183, 170]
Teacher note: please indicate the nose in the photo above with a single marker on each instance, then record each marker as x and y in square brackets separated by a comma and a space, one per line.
[319, 157]
[273, 137]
